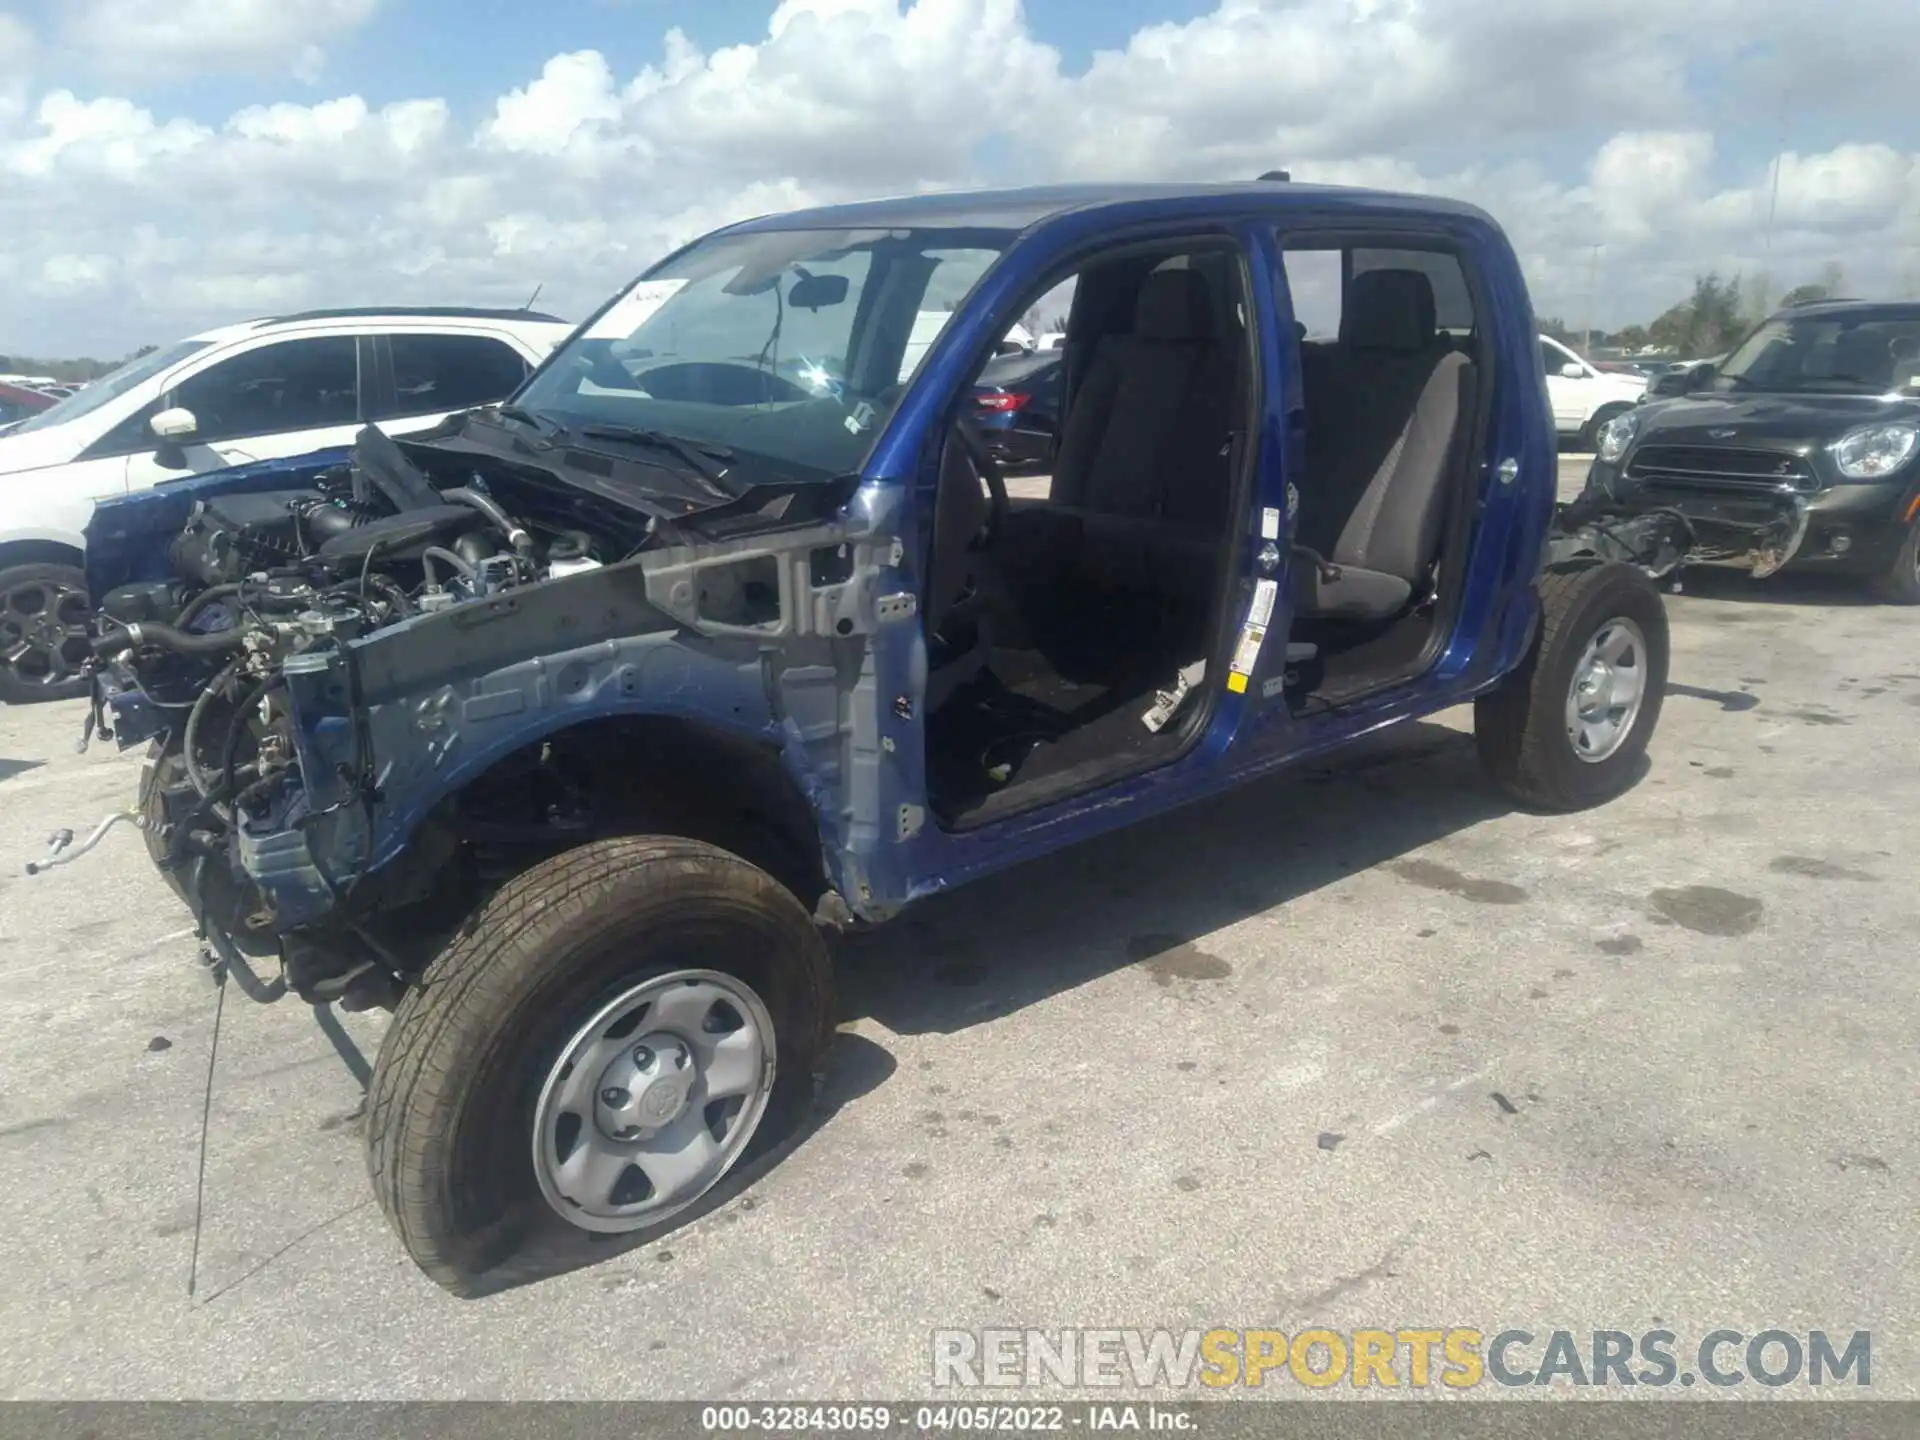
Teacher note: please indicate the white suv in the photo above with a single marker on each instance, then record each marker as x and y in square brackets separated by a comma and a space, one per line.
[1584, 398]
[262, 390]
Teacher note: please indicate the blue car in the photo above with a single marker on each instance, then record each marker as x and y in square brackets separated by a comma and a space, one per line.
[1016, 407]
[567, 728]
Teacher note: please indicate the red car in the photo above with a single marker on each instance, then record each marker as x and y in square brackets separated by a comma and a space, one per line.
[17, 403]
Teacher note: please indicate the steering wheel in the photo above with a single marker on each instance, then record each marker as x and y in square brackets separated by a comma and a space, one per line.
[989, 469]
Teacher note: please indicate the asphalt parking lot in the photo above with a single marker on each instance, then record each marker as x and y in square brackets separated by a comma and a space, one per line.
[1359, 1048]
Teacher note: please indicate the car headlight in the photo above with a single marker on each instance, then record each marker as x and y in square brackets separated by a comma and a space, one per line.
[1615, 436]
[1874, 452]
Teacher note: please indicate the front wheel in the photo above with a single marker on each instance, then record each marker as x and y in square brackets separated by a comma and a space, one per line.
[43, 633]
[1569, 728]
[592, 1055]
[1590, 435]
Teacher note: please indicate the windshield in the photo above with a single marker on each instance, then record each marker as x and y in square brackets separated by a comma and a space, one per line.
[111, 386]
[1865, 352]
[783, 351]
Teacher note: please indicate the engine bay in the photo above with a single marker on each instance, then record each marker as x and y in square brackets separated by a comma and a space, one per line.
[351, 670]
[265, 575]
[261, 585]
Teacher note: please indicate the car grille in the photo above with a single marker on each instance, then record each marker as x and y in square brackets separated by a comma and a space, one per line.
[1704, 469]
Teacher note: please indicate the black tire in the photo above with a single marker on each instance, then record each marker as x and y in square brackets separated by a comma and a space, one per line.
[450, 1111]
[1521, 729]
[1590, 436]
[1899, 583]
[54, 639]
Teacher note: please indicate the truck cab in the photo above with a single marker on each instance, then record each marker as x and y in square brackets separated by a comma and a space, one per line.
[577, 723]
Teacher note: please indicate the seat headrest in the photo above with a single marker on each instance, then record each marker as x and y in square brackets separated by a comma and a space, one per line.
[1174, 305]
[1389, 310]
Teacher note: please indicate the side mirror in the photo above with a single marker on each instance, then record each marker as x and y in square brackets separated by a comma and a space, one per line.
[175, 424]
[171, 428]
[1573, 370]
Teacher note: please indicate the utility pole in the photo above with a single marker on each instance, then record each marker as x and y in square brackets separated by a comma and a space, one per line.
[1773, 206]
[1593, 299]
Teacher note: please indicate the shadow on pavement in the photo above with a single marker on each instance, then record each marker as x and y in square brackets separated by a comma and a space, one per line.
[1788, 588]
[1142, 896]
[1139, 897]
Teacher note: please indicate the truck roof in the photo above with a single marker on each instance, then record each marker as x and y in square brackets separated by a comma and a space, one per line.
[1025, 208]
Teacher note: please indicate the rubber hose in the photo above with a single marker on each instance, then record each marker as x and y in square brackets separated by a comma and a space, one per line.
[190, 740]
[228, 751]
[182, 642]
[401, 605]
[438, 552]
[201, 601]
[489, 507]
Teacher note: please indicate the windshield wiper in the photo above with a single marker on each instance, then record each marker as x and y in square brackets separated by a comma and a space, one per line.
[710, 462]
[544, 424]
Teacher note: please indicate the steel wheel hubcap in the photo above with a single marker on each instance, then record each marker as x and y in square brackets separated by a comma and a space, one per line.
[653, 1100]
[1609, 684]
[43, 631]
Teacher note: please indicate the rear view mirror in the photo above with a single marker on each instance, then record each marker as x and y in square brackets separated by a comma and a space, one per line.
[1683, 381]
[1573, 371]
[175, 424]
[816, 292]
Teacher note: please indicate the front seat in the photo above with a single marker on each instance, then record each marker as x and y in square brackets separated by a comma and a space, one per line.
[1373, 500]
[1143, 475]
[1144, 434]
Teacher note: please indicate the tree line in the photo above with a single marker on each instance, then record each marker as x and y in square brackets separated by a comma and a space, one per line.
[1709, 322]
[67, 372]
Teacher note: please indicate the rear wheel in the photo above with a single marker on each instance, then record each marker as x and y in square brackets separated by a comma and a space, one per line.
[43, 633]
[612, 1034]
[1899, 583]
[1569, 728]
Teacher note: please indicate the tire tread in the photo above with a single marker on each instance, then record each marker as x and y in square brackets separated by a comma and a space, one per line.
[1519, 728]
[503, 948]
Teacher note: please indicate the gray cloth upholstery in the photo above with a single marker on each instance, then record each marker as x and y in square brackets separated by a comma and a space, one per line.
[1384, 415]
[1348, 593]
[1146, 430]
[1395, 526]
[1174, 305]
[1389, 310]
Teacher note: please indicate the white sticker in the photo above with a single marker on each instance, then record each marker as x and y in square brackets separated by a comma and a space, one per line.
[1269, 523]
[1247, 654]
[633, 309]
[1262, 611]
[1271, 688]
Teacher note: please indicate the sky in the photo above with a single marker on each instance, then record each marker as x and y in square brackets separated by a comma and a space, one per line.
[166, 165]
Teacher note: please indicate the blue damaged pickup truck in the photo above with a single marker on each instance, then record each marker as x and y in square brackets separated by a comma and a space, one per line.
[565, 729]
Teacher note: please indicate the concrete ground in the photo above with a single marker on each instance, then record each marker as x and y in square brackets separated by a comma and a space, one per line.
[1362, 1048]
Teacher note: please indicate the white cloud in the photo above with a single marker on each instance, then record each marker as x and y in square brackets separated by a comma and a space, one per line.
[16, 62]
[1626, 125]
[135, 38]
[574, 93]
